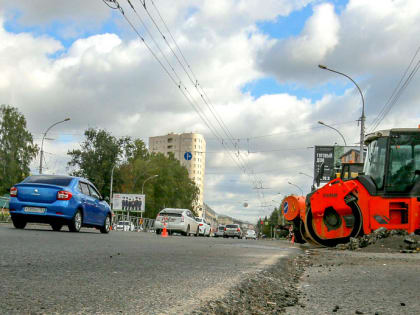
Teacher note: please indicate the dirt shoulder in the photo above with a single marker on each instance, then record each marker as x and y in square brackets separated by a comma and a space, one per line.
[269, 291]
[374, 280]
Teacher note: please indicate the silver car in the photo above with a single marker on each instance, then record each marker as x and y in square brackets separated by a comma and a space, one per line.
[220, 231]
[233, 230]
[177, 220]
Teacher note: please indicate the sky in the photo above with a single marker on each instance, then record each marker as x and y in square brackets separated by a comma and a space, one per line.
[256, 65]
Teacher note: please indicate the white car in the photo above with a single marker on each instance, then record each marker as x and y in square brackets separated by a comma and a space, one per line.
[125, 226]
[250, 234]
[177, 220]
[203, 226]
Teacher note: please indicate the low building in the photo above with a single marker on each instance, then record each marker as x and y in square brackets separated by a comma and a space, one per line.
[350, 156]
[224, 219]
[210, 215]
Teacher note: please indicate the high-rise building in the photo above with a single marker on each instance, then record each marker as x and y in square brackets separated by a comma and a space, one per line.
[190, 150]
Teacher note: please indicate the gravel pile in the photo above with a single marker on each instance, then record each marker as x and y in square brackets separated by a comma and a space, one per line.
[392, 240]
[266, 292]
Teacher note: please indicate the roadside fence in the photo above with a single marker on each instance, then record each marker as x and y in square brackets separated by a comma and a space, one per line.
[4, 210]
[134, 223]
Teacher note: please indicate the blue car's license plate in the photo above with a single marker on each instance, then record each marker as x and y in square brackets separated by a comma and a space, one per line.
[34, 209]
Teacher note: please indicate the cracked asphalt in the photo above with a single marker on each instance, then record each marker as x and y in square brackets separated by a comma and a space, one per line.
[42, 271]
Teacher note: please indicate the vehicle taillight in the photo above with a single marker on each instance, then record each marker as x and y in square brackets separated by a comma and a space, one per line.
[225, 229]
[13, 192]
[238, 229]
[201, 224]
[64, 195]
[182, 219]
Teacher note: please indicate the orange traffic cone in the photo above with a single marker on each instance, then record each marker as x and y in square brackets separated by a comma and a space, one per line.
[164, 231]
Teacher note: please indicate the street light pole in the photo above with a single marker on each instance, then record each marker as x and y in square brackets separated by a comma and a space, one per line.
[362, 118]
[110, 190]
[324, 124]
[296, 186]
[42, 142]
[142, 189]
[302, 173]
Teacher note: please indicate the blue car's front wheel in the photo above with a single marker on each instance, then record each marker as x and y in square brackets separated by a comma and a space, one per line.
[107, 224]
[76, 223]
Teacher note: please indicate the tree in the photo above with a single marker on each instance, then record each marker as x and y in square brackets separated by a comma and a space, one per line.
[134, 149]
[172, 188]
[98, 154]
[17, 149]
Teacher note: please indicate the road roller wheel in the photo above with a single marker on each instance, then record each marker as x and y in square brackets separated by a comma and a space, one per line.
[330, 221]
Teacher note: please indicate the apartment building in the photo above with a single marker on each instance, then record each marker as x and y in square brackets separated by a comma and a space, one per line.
[190, 150]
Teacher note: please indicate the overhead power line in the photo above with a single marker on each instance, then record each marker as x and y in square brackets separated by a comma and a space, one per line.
[192, 78]
[399, 89]
[114, 4]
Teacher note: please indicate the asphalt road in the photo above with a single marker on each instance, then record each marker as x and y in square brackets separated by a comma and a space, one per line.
[354, 282]
[42, 271]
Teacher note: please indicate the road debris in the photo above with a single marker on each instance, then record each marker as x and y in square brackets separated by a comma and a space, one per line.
[397, 241]
[267, 292]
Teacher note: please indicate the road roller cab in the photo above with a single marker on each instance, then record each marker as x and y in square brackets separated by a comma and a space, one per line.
[349, 170]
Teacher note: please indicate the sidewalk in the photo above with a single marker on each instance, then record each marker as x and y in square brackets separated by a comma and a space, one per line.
[355, 282]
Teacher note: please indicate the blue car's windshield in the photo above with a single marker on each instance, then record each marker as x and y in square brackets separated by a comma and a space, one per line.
[49, 179]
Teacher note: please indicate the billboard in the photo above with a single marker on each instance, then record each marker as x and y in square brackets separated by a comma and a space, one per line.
[331, 157]
[128, 202]
[324, 154]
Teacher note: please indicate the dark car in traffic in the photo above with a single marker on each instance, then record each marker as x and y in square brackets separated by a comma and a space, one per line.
[59, 200]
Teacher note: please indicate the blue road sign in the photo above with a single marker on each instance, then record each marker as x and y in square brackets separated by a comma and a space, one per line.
[188, 156]
[285, 207]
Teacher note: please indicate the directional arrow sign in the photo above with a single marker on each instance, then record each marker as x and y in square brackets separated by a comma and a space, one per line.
[188, 156]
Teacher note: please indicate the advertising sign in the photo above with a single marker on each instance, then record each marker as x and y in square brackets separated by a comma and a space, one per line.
[331, 157]
[324, 154]
[128, 202]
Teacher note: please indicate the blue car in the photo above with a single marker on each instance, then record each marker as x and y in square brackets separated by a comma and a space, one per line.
[59, 200]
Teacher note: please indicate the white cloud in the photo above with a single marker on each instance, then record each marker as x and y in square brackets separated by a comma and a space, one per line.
[295, 55]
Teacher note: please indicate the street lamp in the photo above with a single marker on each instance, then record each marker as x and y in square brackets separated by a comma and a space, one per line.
[42, 143]
[362, 118]
[324, 124]
[302, 173]
[151, 177]
[112, 180]
[296, 186]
